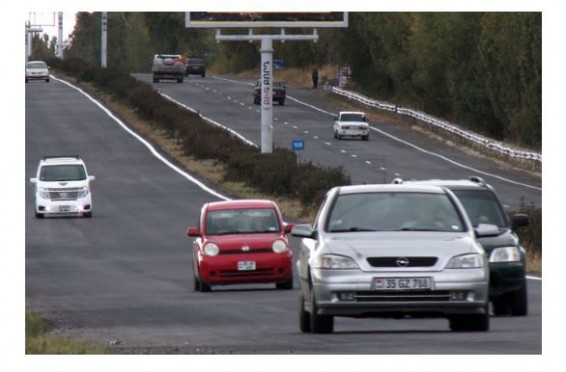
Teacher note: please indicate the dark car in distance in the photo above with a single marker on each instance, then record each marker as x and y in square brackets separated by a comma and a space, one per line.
[195, 66]
[279, 92]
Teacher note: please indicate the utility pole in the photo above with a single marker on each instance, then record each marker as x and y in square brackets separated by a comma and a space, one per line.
[103, 43]
[60, 35]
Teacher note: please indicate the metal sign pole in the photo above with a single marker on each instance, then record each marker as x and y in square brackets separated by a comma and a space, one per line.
[60, 35]
[103, 39]
[266, 95]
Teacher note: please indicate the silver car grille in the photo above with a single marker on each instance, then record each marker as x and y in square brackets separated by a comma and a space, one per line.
[63, 194]
[402, 261]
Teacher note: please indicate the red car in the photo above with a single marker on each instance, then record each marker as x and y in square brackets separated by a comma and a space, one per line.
[241, 241]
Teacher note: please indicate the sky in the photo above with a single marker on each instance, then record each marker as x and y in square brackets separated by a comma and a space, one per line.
[48, 21]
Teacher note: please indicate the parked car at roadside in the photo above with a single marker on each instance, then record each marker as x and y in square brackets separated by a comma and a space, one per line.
[37, 70]
[241, 241]
[62, 187]
[195, 66]
[507, 258]
[279, 92]
[392, 251]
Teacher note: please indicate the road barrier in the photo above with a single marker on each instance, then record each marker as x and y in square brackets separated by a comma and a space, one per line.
[488, 144]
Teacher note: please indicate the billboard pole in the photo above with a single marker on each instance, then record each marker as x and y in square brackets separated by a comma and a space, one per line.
[266, 95]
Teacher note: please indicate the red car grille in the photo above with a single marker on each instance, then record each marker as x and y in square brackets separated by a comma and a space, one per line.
[239, 251]
[242, 274]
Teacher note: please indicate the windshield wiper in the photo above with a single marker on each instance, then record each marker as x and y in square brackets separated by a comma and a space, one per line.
[417, 229]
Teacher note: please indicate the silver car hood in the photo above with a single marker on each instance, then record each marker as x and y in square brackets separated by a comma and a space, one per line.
[361, 245]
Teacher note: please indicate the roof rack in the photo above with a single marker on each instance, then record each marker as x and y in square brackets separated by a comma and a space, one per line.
[477, 180]
[60, 156]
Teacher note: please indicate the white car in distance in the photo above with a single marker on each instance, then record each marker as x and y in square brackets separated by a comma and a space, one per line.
[351, 124]
[62, 187]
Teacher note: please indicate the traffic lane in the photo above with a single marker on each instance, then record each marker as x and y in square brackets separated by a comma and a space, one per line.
[365, 162]
[134, 248]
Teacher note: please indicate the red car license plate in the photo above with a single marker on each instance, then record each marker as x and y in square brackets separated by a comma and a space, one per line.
[246, 265]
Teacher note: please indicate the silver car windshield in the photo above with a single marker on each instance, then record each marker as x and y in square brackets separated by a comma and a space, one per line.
[36, 65]
[390, 211]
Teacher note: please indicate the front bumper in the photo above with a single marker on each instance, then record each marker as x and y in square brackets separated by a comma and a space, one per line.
[350, 293]
[506, 277]
[223, 269]
[63, 207]
[354, 132]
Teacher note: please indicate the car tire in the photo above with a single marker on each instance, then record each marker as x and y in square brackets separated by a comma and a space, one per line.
[256, 101]
[47, 80]
[500, 306]
[204, 287]
[287, 284]
[155, 80]
[180, 80]
[320, 323]
[519, 302]
[281, 102]
[38, 215]
[196, 284]
[304, 316]
[365, 138]
[203, 75]
[87, 214]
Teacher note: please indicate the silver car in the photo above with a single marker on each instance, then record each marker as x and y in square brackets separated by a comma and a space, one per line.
[392, 251]
[37, 70]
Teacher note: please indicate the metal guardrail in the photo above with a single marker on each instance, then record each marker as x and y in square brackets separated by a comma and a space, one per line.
[482, 141]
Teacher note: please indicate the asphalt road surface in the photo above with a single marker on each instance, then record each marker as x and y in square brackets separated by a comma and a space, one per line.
[392, 151]
[123, 279]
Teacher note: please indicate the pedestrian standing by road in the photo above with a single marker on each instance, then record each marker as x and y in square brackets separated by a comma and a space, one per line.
[314, 78]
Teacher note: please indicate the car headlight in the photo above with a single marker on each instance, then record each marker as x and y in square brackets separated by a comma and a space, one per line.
[505, 254]
[83, 192]
[331, 261]
[43, 193]
[279, 246]
[211, 249]
[467, 261]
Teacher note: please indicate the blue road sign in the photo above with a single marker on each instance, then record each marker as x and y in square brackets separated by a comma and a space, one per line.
[298, 144]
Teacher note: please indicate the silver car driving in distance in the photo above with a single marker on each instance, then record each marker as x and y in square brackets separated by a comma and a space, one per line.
[392, 251]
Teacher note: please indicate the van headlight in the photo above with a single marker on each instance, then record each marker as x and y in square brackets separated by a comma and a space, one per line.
[82, 192]
[43, 193]
[505, 254]
[466, 261]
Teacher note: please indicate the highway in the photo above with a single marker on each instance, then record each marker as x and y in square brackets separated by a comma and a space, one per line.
[392, 151]
[123, 279]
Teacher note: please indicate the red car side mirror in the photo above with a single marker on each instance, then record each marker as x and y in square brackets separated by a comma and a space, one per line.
[193, 231]
[288, 228]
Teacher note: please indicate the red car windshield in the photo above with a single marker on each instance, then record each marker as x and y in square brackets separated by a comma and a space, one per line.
[241, 221]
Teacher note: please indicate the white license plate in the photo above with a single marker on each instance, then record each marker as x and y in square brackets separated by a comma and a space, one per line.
[395, 284]
[246, 265]
[64, 208]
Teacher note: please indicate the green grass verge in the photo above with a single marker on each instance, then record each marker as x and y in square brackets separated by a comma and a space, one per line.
[39, 340]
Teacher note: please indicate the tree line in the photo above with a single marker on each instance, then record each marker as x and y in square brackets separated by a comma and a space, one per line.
[482, 71]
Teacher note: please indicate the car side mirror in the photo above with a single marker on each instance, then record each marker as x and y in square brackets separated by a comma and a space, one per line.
[303, 231]
[520, 220]
[288, 228]
[193, 231]
[33, 180]
[485, 230]
[91, 178]
[336, 118]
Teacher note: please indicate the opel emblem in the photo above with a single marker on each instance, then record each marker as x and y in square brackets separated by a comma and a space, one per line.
[245, 248]
[402, 261]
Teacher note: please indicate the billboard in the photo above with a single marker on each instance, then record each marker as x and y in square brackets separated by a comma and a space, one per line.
[265, 19]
